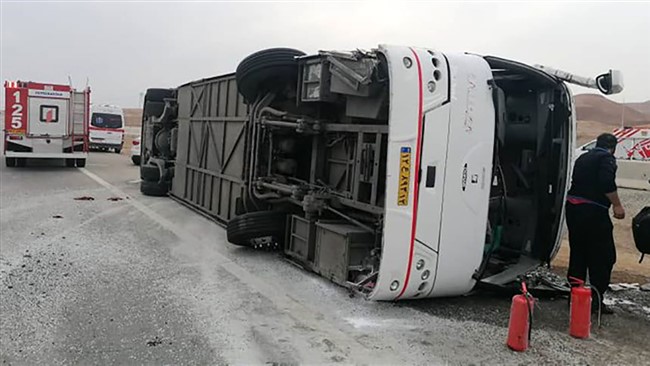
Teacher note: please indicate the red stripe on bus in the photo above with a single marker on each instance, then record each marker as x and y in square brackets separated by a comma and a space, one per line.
[416, 176]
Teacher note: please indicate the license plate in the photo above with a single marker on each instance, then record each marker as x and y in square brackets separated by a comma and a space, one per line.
[404, 176]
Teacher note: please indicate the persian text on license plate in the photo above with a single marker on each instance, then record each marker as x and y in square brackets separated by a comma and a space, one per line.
[404, 176]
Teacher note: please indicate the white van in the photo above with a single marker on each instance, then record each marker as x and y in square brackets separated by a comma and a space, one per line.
[106, 128]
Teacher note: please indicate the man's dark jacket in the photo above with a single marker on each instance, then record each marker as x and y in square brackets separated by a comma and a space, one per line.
[594, 175]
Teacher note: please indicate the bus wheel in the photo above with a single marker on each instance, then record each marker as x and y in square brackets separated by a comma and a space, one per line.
[267, 70]
[81, 163]
[117, 151]
[69, 163]
[243, 229]
[10, 162]
[156, 189]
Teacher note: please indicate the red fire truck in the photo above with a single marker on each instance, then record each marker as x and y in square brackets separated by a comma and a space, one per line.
[45, 121]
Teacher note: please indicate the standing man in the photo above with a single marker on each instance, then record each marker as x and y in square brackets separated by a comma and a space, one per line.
[591, 241]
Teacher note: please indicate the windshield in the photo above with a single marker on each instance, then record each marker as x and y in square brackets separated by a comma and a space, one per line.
[105, 120]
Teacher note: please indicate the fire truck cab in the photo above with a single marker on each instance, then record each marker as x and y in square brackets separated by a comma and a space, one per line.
[45, 121]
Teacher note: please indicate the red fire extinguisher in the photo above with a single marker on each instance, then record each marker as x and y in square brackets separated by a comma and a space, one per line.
[580, 321]
[521, 318]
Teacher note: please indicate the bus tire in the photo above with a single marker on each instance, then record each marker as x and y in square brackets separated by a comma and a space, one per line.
[118, 150]
[10, 162]
[158, 94]
[70, 163]
[154, 101]
[267, 70]
[153, 109]
[149, 172]
[253, 225]
[156, 189]
[81, 163]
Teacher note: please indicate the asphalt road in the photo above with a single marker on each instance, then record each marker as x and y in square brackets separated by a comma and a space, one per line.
[142, 280]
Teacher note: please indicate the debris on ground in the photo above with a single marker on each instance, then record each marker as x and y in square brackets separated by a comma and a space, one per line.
[57, 217]
[632, 305]
[84, 198]
[623, 286]
[154, 342]
[543, 279]
[114, 199]
[645, 287]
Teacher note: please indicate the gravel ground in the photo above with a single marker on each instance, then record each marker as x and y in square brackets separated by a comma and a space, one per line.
[144, 280]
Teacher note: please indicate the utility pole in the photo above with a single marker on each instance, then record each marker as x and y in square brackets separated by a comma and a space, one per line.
[623, 113]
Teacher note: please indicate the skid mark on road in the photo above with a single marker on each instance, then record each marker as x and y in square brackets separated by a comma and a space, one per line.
[298, 312]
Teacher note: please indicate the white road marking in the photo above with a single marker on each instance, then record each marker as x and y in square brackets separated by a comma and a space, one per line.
[293, 308]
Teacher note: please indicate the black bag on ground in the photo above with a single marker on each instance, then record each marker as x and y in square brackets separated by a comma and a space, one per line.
[641, 231]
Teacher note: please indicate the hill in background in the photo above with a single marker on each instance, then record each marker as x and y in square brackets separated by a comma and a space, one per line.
[597, 114]
[641, 107]
[597, 108]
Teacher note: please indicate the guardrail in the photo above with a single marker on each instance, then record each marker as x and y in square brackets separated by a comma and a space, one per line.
[633, 174]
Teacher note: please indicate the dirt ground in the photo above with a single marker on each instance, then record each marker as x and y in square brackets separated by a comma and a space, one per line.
[132, 116]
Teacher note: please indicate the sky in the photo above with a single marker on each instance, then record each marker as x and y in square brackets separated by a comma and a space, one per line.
[123, 48]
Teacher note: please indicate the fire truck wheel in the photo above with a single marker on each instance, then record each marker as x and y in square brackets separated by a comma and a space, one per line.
[242, 229]
[267, 70]
[81, 163]
[149, 172]
[10, 162]
[69, 163]
[21, 162]
[156, 189]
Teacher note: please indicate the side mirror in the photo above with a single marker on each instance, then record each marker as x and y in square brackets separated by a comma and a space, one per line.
[610, 83]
